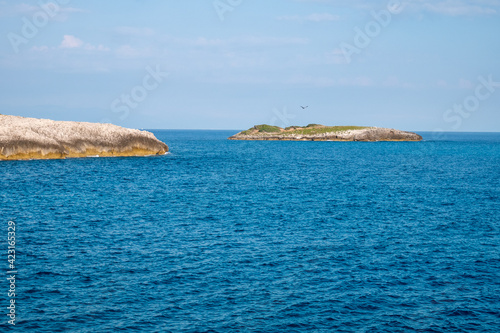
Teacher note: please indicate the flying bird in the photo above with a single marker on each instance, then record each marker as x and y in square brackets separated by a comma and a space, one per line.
[304, 107]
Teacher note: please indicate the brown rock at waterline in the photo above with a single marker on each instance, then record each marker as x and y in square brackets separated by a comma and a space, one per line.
[314, 132]
[30, 138]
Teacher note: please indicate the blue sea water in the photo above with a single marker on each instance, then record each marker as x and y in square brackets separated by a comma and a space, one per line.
[241, 236]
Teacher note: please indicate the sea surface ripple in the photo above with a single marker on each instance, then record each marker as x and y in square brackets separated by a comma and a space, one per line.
[240, 236]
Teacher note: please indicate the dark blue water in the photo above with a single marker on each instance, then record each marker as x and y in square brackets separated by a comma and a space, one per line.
[237, 236]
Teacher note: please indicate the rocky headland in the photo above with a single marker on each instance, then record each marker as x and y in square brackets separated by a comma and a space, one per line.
[315, 132]
[29, 138]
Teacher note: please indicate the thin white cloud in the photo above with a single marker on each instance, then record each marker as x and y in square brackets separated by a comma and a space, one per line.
[361, 81]
[130, 52]
[249, 41]
[52, 10]
[102, 48]
[135, 31]
[322, 81]
[336, 57]
[316, 17]
[442, 83]
[465, 84]
[443, 7]
[42, 48]
[202, 41]
[70, 42]
[322, 17]
[25, 8]
[354, 81]
[458, 8]
[273, 41]
[318, 81]
[391, 81]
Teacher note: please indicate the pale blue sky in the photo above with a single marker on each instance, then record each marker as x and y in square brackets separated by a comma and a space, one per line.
[232, 64]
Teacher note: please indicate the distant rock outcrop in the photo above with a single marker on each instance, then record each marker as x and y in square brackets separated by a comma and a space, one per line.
[314, 132]
[29, 138]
